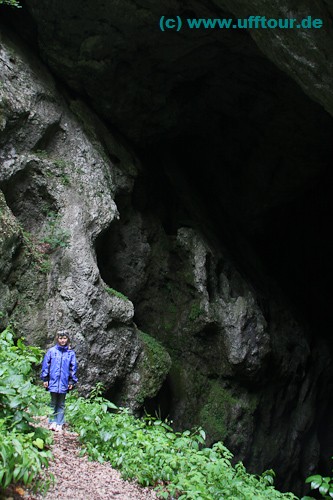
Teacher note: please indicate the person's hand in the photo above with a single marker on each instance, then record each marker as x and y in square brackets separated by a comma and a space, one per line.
[70, 387]
[45, 384]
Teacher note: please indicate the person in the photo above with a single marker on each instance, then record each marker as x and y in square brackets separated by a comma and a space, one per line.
[58, 374]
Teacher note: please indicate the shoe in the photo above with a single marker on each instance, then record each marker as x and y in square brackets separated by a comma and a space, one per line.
[59, 429]
[52, 426]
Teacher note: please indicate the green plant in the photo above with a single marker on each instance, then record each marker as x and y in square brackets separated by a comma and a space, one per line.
[41, 153]
[56, 237]
[58, 162]
[62, 164]
[323, 484]
[23, 457]
[195, 311]
[12, 3]
[17, 393]
[177, 464]
[23, 446]
[112, 291]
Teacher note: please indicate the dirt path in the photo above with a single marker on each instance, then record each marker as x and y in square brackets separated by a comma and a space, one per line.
[79, 479]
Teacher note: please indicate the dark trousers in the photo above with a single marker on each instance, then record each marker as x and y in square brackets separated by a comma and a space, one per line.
[58, 408]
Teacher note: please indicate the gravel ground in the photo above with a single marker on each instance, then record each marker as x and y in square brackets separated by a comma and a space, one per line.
[79, 479]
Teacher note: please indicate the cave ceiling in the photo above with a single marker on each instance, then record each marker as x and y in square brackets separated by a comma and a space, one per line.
[230, 110]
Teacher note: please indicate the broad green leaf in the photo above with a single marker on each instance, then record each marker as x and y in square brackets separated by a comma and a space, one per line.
[317, 478]
[26, 477]
[112, 406]
[202, 434]
[7, 390]
[39, 443]
[16, 473]
[324, 488]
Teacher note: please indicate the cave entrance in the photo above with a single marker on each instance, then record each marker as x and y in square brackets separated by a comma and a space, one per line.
[160, 406]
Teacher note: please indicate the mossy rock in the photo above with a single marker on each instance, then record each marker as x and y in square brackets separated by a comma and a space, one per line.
[227, 414]
[215, 411]
[154, 365]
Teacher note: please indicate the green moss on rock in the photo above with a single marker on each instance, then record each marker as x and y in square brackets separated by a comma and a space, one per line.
[154, 366]
[22, 281]
[214, 413]
[195, 311]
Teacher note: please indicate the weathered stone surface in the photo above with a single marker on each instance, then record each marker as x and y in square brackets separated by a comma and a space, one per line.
[60, 190]
[152, 367]
[305, 54]
[10, 243]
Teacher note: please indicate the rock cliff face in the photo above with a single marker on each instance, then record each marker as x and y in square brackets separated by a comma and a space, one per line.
[204, 233]
[59, 188]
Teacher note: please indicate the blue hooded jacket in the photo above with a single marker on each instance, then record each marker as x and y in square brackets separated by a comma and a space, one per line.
[59, 369]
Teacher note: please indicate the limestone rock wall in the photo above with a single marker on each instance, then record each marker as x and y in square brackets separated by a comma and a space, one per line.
[306, 55]
[58, 189]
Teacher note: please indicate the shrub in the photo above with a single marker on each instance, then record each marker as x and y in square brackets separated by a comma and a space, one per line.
[23, 445]
[324, 485]
[177, 464]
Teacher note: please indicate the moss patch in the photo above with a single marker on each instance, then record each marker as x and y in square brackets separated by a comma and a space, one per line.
[195, 311]
[112, 291]
[153, 367]
[214, 413]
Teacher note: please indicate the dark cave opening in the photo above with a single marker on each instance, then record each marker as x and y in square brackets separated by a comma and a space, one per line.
[296, 249]
[160, 406]
[291, 244]
[109, 270]
[287, 244]
[115, 393]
